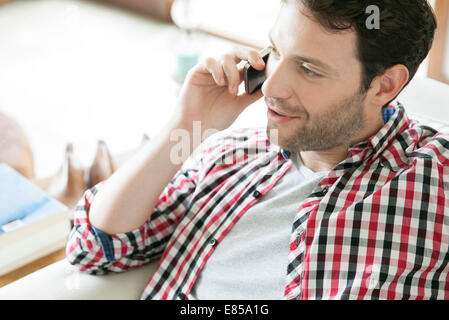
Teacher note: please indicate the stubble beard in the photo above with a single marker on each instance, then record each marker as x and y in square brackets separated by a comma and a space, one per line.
[330, 130]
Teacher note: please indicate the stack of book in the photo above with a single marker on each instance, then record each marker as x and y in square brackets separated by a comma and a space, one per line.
[32, 224]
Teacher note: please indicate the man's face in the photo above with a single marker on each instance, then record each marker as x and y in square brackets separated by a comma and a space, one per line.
[313, 78]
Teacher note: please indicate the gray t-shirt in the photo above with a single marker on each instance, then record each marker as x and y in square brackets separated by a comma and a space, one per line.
[251, 260]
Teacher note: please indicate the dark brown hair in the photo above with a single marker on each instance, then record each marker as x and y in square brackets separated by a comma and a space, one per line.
[404, 36]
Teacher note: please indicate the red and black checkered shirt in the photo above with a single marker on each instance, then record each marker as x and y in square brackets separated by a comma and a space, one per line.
[376, 227]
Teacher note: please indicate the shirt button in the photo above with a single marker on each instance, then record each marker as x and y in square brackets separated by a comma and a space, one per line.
[323, 192]
[212, 242]
[256, 194]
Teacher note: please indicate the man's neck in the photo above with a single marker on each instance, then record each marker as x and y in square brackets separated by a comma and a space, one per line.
[326, 160]
[323, 160]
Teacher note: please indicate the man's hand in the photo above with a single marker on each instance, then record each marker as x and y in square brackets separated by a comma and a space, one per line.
[209, 95]
[210, 91]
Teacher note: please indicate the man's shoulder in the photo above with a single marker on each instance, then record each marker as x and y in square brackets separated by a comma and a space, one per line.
[431, 141]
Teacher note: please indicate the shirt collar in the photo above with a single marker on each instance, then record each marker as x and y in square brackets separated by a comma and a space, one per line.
[395, 122]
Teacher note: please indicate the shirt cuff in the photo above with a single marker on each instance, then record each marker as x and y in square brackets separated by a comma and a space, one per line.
[105, 242]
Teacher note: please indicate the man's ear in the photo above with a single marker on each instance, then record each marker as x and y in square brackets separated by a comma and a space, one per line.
[387, 86]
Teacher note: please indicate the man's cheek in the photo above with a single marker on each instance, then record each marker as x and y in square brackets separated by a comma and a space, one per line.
[270, 67]
[269, 86]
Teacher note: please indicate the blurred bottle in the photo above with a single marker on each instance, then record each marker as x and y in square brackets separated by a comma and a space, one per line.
[186, 44]
[186, 54]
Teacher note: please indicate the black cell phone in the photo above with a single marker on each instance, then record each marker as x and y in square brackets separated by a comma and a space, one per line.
[255, 78]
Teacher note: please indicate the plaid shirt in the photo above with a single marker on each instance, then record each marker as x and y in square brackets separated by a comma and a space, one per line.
[376, 227]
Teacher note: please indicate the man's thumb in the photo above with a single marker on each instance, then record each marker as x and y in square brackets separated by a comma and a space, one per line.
[245, 100]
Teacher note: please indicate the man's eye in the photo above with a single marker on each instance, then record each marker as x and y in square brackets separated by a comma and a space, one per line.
[310, 72]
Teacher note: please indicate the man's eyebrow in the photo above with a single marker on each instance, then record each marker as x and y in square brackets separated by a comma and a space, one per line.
[316, 62]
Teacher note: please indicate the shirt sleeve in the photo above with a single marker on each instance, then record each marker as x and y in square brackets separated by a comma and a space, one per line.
[97, 252]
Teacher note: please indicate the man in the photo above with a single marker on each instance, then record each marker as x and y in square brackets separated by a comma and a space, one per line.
[348, 203]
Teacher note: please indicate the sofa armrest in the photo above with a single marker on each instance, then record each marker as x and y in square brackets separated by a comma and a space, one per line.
[62, 281]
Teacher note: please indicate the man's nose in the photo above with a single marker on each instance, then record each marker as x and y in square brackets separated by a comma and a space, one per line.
[277, 83]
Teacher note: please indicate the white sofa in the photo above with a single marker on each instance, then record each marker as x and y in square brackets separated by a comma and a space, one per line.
[62, 281]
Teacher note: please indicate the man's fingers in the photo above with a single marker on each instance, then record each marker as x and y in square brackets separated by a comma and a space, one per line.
[232, 73]
[252, 56]
[214, 68]
[226, 71]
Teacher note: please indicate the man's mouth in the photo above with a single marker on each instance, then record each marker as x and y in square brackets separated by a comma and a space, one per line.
[279, 113]
[276, 115]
